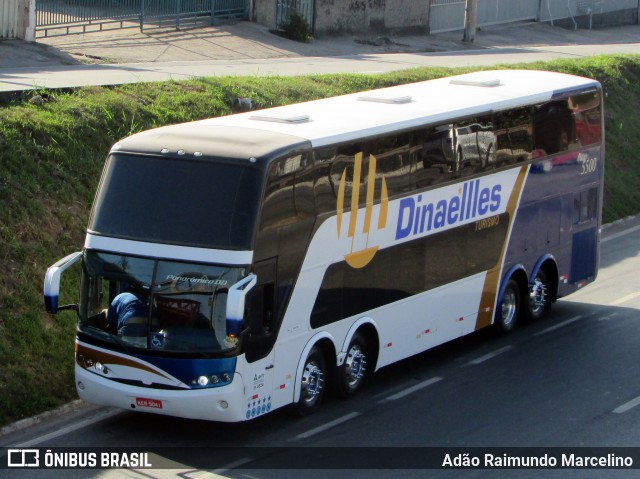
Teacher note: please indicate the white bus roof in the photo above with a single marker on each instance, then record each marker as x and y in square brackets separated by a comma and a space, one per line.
[342, 118]
[365, 114]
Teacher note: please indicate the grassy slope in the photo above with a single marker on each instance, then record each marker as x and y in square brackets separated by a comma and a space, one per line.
[51, 157]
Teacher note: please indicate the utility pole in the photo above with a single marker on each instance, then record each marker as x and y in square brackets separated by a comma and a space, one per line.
[470, 21]
[427, 28]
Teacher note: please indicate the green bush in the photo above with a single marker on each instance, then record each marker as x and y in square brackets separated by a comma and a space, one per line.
[296, 28]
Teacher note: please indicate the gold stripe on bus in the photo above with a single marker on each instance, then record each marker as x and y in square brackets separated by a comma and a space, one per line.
[355, 195]
[371, 179]
[340, 203]
[384, 205]
[109, 359]
[492, 280]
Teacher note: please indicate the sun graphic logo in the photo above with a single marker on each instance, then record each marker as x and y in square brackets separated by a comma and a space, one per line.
[359, 258]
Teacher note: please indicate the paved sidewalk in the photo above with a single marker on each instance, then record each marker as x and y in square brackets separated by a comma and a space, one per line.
[244, 48]
[249, 41]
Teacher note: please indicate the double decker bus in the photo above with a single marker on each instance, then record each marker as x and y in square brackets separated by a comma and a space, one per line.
[236, 265]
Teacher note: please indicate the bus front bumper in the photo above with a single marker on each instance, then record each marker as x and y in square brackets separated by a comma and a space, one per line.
[224, 404]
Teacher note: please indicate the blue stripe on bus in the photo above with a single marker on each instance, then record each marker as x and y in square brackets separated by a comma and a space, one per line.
[187, 370]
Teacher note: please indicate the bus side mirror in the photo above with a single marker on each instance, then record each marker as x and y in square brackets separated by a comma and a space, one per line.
[52, 281]
[235, 304]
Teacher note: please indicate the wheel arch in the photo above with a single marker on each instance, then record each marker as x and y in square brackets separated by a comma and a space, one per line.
[519, 274]
[369, 329]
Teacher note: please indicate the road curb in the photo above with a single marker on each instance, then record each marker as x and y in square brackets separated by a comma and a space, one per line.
[32, 421]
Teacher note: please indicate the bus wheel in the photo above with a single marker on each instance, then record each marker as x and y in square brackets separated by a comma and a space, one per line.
[353, 373]
[509, 308]
[312, 383]
[539, 298]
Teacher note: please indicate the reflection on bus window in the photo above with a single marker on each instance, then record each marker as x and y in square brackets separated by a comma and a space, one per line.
[393, 162]
[475, 144]
[513, 136]
[588, 118]
[553, 128]
[435, 158]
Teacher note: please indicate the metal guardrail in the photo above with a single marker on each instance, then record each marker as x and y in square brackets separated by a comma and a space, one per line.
[66, 17]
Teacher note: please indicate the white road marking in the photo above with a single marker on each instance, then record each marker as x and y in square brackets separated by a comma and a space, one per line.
[412, 389]
[74, 427]
[486, 357]
[328, 425]
[559, 325]
[232, 465]
[624, 299]
[628, 405]
[619, 234]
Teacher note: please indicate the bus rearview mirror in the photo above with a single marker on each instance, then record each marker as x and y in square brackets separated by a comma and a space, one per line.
[235, 304]
[52, 281]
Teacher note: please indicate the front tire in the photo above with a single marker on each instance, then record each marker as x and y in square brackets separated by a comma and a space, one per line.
[312, 385]
[509, 309]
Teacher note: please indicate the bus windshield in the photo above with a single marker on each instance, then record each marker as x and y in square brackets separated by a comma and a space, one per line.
[201, 203]
[157, 305]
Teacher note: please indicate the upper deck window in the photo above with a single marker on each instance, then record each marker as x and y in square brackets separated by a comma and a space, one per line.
[191, 203]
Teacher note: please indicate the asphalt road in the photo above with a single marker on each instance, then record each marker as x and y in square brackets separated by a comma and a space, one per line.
[570, 380]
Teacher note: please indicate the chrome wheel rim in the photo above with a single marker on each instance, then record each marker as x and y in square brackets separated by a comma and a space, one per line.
[537, 296]
[312, 383]
[354, 366]
[508, 308]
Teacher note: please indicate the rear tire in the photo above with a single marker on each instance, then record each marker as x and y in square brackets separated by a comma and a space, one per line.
[353, 373]
[508, 310]
[539, 302]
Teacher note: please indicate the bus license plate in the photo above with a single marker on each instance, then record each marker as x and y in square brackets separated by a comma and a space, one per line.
[146, 402]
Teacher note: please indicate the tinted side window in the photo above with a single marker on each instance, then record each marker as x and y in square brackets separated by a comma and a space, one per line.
[514, 141]
[554, 129]
[344, 163]
[288, 194]
[585, 206]
[392, 161]
[475, 145]
[435, 159]
[587, 111]
[325, 188]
